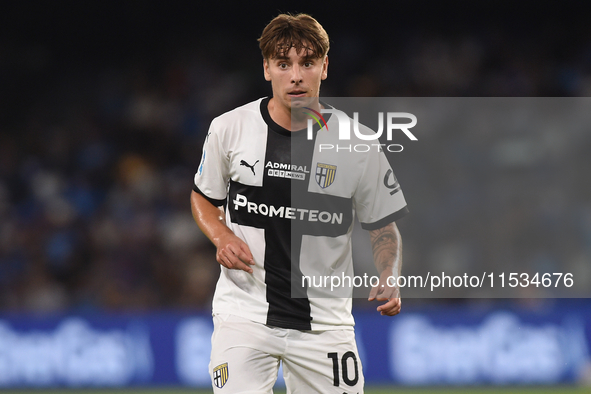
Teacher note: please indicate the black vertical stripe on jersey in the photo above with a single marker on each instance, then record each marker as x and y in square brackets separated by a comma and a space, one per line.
[284, 310]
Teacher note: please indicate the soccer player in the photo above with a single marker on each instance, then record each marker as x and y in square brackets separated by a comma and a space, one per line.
[278, 210]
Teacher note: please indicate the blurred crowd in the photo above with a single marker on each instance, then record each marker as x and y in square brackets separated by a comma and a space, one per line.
[97, 167]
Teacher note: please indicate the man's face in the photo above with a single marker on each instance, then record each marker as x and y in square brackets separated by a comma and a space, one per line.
[295, 78]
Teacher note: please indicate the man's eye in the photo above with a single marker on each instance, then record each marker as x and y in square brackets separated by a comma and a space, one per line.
[283, 65]
[308, 64]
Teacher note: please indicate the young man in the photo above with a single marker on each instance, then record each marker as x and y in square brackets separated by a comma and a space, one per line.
[289, 212]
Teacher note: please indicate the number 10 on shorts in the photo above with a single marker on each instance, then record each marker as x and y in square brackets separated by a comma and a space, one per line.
[344, 368]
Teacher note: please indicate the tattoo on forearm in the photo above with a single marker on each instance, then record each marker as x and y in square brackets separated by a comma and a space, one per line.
[386, 247]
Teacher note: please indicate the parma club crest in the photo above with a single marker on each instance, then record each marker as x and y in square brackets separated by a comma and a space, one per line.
[220, 375]
[325, 174]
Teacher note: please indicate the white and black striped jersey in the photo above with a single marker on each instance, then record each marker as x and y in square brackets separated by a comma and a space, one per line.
[294, 207]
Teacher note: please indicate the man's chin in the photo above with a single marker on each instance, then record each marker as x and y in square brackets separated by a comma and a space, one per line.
[301, 102]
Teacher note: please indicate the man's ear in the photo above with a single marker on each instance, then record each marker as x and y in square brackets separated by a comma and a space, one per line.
[325, 68]
[266, 70]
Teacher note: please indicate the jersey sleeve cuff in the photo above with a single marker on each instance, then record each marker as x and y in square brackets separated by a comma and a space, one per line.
[213, 201]
[385, 221]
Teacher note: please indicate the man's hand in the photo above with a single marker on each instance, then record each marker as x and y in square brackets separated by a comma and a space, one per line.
[233, 253]
[384, 292]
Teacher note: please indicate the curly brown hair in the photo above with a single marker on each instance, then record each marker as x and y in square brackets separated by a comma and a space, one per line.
[288, 31]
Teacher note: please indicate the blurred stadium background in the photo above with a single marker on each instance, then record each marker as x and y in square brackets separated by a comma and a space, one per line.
[105, 280]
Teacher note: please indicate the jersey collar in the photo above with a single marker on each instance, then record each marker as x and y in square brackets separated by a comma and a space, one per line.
[282, 130]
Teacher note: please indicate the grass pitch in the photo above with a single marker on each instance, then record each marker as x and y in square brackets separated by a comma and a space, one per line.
[368, 390]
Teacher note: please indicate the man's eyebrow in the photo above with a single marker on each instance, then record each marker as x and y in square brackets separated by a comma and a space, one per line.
[310, 57]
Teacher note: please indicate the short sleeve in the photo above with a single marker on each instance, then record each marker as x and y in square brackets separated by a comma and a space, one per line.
[211, 179]
[378, 198]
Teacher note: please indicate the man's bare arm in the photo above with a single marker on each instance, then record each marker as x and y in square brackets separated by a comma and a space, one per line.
[232, 252]
[387, 248]
[386, 244]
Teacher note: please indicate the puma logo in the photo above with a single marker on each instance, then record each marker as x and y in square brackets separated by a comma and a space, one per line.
[245, 164]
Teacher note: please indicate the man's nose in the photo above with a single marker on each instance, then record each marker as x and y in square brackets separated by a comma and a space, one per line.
[296, 76]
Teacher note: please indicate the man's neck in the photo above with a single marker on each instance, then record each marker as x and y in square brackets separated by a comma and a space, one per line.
[287, 118]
